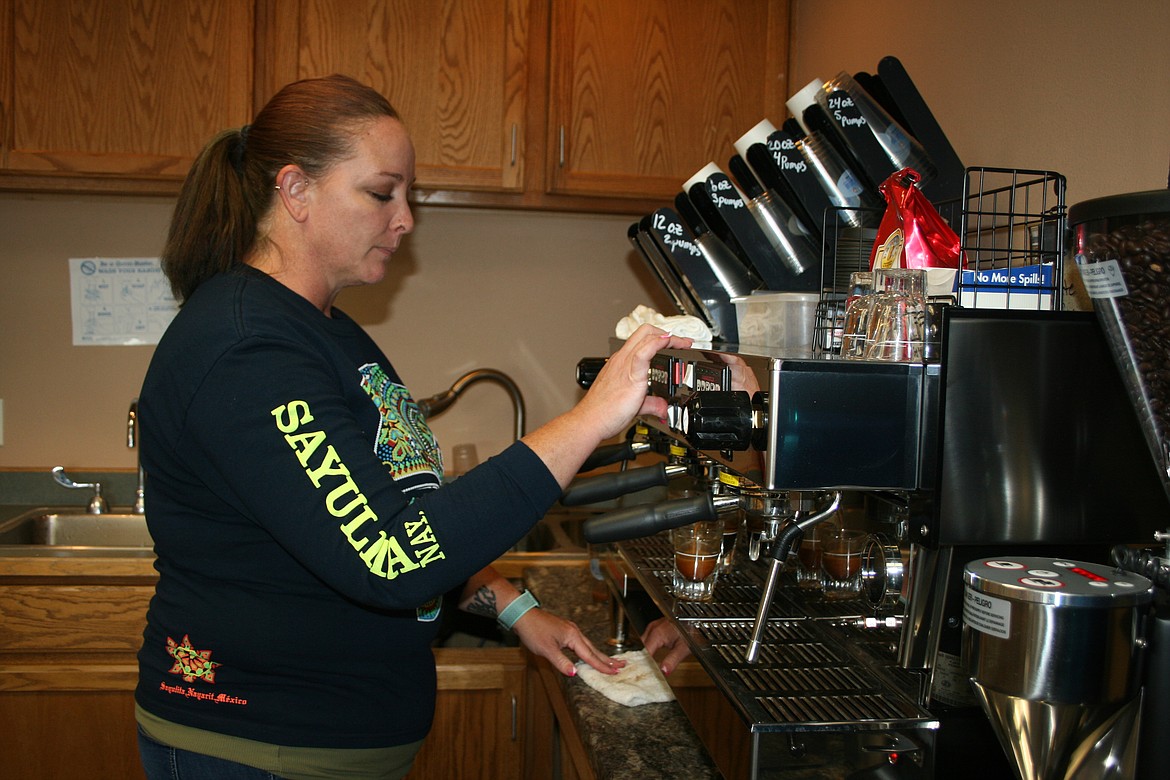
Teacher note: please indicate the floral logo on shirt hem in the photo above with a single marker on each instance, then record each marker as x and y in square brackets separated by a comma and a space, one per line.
[191, 664]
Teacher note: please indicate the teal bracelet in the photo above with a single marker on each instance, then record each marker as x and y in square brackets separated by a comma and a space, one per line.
[517, 609]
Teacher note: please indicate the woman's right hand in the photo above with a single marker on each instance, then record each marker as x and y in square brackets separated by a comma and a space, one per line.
[618, 394]
[615, 398]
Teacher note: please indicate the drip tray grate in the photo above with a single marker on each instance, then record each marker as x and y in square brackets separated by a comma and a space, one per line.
[774, 631]
[806, 679]
[800, 675]
[816, 667]
[835, 709]
[717, 609]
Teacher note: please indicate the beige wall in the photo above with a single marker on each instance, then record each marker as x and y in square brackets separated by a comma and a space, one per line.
[1076, 86]
[1080, 87]
[528, 294]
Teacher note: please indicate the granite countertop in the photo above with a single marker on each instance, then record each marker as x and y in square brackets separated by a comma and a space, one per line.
[648, 742]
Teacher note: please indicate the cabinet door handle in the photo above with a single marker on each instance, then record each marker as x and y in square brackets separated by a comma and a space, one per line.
[515, 719]
[561, 145]
[513, 145]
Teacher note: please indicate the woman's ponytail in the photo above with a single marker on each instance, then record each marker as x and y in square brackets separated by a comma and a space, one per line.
[213, 225]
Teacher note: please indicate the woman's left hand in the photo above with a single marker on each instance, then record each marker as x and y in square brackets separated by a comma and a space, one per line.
[549, 636]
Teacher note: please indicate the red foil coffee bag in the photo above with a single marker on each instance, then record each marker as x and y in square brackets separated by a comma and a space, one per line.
[912, 233]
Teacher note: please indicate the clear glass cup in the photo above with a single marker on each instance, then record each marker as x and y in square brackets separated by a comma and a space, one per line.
[697, 549]
[463, 459]
[732, 522]
[808, 554]
[841, 556]
[897, 327]
[859, 206]
[858, 309]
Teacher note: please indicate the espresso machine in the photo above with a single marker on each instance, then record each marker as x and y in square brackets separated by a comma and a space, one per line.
[1019, 441]
[1009, 621]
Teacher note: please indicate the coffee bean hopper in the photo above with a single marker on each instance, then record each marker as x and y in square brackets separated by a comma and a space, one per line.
[1055, 650]
[1121, 245]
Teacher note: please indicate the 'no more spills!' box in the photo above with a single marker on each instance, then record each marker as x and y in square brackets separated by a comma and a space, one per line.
[1026, 287]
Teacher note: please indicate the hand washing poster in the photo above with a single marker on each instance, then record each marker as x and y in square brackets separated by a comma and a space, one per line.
[119, 301]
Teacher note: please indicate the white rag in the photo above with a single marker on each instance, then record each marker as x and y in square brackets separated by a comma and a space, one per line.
[640, 681]
[679, 325]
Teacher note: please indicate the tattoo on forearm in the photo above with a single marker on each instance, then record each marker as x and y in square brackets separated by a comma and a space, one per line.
[483, 603]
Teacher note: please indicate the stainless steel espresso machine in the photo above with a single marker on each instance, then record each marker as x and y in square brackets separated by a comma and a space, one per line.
[1019, 441]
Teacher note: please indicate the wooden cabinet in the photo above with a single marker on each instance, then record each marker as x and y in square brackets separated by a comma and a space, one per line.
[480, 716]
[586, 105]
[643, 95]
[589, 105]
[722, 731]
[67, 677]
[70, 630]
[119, 95]
[456, 72]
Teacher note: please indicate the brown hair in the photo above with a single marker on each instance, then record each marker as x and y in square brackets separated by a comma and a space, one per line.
[309, 123]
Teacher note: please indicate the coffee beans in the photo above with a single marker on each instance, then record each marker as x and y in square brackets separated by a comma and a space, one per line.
[1142, 252]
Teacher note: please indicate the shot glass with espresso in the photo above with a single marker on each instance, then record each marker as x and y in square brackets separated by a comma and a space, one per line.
[841, 564]
[808, 554]
[697, 550]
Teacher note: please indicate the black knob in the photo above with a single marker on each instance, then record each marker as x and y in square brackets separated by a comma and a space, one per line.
[721, 420]
[588, 369]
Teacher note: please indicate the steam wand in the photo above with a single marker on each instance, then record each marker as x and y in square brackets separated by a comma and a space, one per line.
[788, 538]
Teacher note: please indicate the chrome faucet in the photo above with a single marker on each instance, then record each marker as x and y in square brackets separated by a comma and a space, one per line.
[433, 406]
[139, 507]
[97, 502]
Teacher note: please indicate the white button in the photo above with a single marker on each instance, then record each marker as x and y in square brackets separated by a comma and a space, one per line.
[1043, 573]
[1098, 584]
[1041, 582]
[1005, 565]
[1064, 564]
[1123, 584]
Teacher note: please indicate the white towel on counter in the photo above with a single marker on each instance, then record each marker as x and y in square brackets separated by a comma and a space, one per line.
[678, 325]
[640, 681]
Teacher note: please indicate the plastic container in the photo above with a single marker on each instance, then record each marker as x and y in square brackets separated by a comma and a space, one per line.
[1121, 245]
[777, 320]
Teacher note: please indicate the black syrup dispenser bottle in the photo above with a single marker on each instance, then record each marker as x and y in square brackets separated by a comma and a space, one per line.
[783, 229]
[773, 156]
[880, 145]
[915, 115]
[735, 277]
[713, 286]
[721, 206]
[816, 172]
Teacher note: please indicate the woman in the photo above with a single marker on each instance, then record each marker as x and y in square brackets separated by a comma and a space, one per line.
[303, 534]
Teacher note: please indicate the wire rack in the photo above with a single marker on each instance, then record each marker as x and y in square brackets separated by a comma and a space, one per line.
[1012, 226]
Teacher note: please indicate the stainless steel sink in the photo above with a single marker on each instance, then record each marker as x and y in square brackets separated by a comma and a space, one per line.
[70, 528]
[54, 527]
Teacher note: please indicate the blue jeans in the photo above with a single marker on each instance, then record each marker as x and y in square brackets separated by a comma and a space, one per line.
[163, 762]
